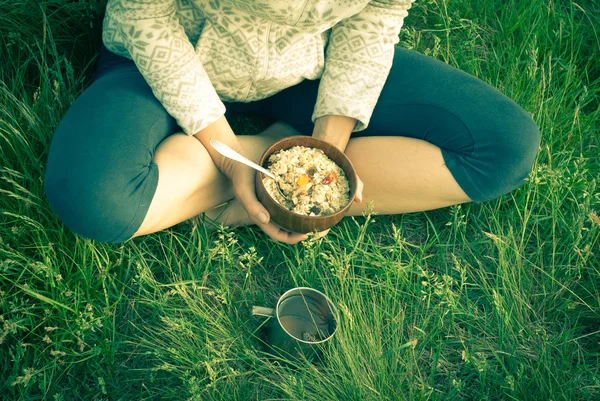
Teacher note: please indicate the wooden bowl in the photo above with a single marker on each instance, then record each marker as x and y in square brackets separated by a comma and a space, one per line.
[295, 222]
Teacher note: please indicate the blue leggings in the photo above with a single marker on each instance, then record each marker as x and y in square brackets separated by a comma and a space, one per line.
[100, 177]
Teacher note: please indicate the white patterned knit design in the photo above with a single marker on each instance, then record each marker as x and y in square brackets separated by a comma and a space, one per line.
[195, 54]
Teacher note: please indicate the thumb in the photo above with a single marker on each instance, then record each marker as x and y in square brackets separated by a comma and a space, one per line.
[254, 208]
[359, 190]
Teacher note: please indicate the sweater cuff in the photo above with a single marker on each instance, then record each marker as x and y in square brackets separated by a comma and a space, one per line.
[351, 89]
[358, 107]
[199, 119]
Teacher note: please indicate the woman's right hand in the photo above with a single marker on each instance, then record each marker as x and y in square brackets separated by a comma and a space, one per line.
[243, 179]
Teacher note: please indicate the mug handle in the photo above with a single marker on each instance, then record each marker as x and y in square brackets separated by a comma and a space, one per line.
[262, 311]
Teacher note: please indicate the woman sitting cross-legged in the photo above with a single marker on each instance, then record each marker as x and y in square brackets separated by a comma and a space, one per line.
[131, 156]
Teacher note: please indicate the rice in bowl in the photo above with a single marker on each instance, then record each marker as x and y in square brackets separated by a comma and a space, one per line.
[314, 184]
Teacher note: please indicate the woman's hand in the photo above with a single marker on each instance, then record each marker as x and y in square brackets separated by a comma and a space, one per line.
[337, 130]
[243, 179]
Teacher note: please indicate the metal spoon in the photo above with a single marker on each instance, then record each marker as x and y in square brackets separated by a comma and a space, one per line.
[233, 155]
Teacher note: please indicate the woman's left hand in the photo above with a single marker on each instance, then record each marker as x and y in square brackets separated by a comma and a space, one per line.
[337, 130]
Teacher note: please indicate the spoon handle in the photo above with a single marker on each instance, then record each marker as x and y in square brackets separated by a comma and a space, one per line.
[232, 154]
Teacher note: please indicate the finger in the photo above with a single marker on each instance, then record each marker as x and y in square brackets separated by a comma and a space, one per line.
[324, 233]
[359, 189]
[244, 192]
[320, 234]
[281, 235]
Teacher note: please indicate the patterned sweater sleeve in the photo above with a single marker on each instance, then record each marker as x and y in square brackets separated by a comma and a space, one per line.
[358, 60]
[149, 33]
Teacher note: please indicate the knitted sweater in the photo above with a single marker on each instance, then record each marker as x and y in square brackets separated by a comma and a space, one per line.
[195, 54]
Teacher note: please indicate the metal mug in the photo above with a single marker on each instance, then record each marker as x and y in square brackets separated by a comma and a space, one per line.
[302, 319]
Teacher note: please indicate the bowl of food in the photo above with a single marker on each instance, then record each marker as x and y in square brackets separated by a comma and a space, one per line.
[314, 187]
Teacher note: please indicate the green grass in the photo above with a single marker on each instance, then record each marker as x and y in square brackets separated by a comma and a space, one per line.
[491, 301]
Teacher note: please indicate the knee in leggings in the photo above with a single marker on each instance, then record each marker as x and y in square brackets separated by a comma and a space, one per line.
[100, 178]
[513, 149]
[95, 199]
[501, 158]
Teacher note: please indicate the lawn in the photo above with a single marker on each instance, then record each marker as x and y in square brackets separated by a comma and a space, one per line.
[490, 301]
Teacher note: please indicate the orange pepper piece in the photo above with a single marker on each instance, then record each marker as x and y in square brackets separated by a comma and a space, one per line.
[303, 180]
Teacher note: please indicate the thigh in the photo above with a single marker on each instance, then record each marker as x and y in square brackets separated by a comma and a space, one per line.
[100, 177]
